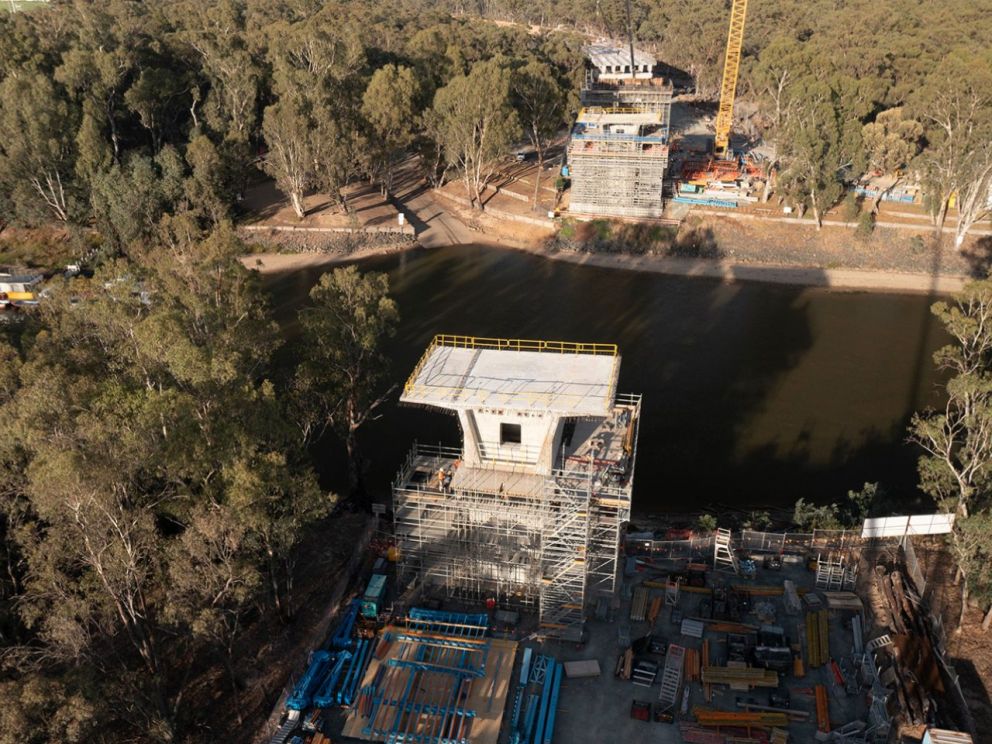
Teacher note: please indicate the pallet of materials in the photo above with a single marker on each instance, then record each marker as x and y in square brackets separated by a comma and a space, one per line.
[582, 668]
[692, 628]
[695, 734]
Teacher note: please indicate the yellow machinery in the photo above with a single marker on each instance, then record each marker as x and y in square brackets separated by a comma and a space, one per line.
[731, 66]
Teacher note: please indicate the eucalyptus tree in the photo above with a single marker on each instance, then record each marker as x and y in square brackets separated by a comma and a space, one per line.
[955, 106]
[339, 383]
[390, 106]
[540, 104]
[476, 124]
[956, 465]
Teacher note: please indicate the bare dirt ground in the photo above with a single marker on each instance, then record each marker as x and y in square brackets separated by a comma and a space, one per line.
[971, 651]
[269, 262]
[886, 249]
[364, 206]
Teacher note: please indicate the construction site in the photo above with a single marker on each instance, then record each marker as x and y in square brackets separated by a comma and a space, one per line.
[511, 602]
[623, 159]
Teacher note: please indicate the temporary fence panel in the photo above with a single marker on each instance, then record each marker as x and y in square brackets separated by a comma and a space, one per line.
[918, 524]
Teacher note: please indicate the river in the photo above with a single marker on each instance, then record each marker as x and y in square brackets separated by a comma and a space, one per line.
[754, 394]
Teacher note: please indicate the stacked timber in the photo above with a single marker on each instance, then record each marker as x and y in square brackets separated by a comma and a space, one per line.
[694, 734]
[749, 676]
[655, 609]
[817, 638]
[759, 590]
[639, 605]
[822, 710]
[712, 717]
[624, 664]
[692, 666]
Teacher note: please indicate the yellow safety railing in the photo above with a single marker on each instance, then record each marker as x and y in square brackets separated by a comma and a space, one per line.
[524, 344]
[508, 344]
[612, 110]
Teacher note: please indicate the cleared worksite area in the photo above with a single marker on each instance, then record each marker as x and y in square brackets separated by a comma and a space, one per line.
[524, 610]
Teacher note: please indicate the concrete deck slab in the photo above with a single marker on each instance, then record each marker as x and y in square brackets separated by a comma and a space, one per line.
[470, 378]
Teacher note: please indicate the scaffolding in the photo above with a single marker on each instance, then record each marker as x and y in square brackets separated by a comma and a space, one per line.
[513, 533]
[654, 94]
[617, 159]
[618, 176]
[835, 572]
[554, 547]
[618, 152]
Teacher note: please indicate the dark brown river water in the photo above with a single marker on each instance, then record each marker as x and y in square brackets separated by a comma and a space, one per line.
[754, 394]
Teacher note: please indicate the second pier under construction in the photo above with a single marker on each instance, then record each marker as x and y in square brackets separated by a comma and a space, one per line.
[618, 152]
[529, 511]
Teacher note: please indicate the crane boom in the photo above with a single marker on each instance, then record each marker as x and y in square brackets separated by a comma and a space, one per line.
[731, 66]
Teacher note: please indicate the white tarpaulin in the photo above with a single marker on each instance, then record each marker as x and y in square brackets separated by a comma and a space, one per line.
[918, 524]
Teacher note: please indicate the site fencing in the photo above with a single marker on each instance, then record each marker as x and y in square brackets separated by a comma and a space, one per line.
[913, 565]
[751, 540]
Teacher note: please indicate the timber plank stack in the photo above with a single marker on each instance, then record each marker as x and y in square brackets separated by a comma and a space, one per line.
[749, 676]
[817, 638]
[716, 718]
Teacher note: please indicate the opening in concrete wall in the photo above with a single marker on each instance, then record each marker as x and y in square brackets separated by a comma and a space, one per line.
[509, 433]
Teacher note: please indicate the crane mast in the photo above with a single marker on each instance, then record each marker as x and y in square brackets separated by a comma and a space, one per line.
[731, 66]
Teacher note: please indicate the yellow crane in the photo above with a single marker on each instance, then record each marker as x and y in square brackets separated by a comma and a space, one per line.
[728, 87]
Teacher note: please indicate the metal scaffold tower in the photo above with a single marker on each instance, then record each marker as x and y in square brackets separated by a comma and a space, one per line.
[618, 151]
[535, 522]
[563, 557]
[617, 160]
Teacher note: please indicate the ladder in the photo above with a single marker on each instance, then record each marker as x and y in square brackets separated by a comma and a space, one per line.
[723, 553]
[877, 643]
[672, 594]
[287, 728]
[671, 677]
[830, 573]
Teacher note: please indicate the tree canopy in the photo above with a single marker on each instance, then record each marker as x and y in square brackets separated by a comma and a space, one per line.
[321, 93]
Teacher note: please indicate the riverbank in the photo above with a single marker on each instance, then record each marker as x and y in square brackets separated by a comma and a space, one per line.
[491, 229]
[268, 262]
[722, 269]
[441, 222]
[729, 271]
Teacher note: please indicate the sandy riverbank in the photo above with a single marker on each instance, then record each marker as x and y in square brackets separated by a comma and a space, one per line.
[507, 234]
[846, 279]
[278, 263]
